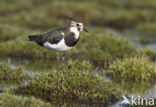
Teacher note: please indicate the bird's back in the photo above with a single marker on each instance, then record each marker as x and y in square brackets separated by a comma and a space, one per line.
[53, 36]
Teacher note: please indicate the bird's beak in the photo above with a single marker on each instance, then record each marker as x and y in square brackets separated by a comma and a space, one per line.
[84, 29]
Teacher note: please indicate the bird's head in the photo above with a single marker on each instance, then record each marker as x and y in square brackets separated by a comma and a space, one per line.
[77, 25]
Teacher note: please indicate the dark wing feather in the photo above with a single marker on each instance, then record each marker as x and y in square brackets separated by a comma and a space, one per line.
[53, 36]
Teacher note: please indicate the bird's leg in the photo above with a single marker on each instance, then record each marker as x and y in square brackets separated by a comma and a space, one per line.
[63, 58]
[57, 58]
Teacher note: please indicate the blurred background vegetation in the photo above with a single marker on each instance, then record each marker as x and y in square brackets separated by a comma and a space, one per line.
[105, 19]
[110, 22]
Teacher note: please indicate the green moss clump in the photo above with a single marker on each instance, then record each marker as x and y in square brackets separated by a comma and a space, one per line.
[9, 100]
[135, 69]
[134, 75]
[147, 28]
[148, 52]
[7, 75]
[71, 84]
[79, 65]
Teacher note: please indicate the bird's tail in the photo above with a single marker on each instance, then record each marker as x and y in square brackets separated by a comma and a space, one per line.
[33, 37]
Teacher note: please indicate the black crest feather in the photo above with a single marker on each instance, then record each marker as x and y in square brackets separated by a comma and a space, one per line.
[71, 18]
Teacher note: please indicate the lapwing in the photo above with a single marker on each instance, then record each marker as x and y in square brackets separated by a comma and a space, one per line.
[61, 39]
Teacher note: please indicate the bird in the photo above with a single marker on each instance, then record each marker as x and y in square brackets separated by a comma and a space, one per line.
[60, 39]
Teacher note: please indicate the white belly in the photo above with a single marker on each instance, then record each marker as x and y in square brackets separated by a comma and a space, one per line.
[61, 46]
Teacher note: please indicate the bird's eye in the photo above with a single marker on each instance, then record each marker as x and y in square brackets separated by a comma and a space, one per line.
[77, 25]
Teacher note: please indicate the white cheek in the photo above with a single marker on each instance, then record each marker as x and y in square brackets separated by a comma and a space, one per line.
[81, 29]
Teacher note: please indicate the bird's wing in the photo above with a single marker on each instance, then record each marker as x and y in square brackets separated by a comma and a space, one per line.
[54, 36]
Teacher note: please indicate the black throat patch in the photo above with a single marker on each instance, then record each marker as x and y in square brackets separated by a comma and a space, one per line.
[70, 39]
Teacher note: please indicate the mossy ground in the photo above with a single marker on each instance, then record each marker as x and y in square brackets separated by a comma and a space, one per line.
[7, 75]
[77, 81]
[147, 28]
[148, 52]
[10, 100]
[134, 74]
[138, 68]
[71, 84]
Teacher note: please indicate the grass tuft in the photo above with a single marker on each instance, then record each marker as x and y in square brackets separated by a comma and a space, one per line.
[7, 75]
[10, 100]
[71, 84]
[136, 69]
[79, 65]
